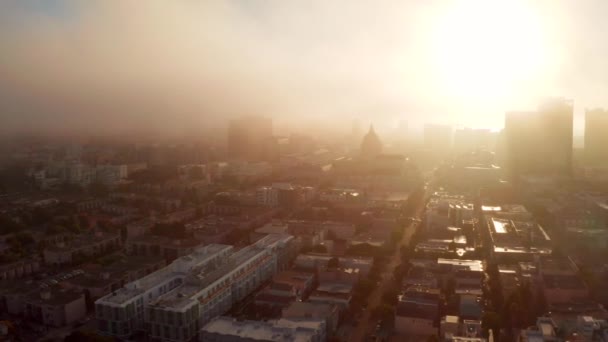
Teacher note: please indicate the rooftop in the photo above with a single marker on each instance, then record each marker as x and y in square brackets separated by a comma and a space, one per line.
[472, 265]
[178, 269]
[281, 330]
[83, 241]
[308, 309]
[165, 241]
[416, 310]
[210, 273]
[53, 296]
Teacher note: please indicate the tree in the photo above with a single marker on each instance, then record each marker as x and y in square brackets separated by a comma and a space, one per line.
[390, 296]
[174, 230]
[198, 212]
[83, 221]
[491, 321]
[196, 173]
[24, 238]
[540, 306]
[363, 289]
[450, 287]
[55, 229]
[8, 226]
[86, 336]
[98, 189]
[333, 263]
[319, 249]
[382, 311]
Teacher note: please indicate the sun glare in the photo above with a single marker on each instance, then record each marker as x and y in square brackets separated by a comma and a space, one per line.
[487, 49]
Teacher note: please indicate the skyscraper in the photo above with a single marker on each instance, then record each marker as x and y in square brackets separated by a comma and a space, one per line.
[249, 136]
[540, 143]
[596, 137]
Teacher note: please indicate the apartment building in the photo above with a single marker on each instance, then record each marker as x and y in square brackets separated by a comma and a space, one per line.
[121, 313]
[82, 246]
[215, 288]
[226, 329]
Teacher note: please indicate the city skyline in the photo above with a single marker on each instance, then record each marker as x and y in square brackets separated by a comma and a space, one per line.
[179, 66]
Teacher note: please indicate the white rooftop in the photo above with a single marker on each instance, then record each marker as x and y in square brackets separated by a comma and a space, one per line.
[176, 270]
[281, 330]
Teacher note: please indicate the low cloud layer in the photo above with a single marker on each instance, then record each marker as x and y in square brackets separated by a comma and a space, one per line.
[119, 66]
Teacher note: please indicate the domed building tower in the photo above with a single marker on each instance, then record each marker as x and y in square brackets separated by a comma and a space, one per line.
[371, 145]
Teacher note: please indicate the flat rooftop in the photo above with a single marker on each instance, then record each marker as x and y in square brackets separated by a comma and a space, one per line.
[281, 331]
[83, 241]
[178, 269]
[471, 265]
[193, 284]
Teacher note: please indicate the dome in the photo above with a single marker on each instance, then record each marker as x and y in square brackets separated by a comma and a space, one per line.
[371, 145]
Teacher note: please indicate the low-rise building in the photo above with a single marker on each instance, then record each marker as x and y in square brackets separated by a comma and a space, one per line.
[543, 331]
[561, 282]
[454, 329]
[97, 283]
[225, 329]
[55, 307]
[88, 245]
[470, 307]
[209, 293]
[416, 320]
[19, 269]
[52, 306]
[339, 294]
[304, 311]
[139, 228]
[417, 312]
[160, 246]
[121, 313]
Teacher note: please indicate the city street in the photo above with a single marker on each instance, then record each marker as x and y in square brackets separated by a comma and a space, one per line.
[367, 324]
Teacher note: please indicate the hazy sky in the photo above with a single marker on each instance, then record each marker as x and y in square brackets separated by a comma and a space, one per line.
[119, 65]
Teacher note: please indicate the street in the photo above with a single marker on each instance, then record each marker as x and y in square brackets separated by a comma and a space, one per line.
[366, 323]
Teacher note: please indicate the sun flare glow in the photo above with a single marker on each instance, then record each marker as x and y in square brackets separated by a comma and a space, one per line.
[488, 49]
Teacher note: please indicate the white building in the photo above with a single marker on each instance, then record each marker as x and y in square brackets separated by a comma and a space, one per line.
[213, 290]
[83, 175]
[174, 302]
[270, 196]
[267, 196]
[225, 329]
[121, 313]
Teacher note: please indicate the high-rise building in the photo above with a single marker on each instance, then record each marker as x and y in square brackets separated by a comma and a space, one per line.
[249, 137]
[540, 143]
[596, 137]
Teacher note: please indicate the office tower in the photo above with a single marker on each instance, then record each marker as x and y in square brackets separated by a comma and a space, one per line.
[596, 137]
[249, 137]
[371, 145]
[438, 139]
[540, 143]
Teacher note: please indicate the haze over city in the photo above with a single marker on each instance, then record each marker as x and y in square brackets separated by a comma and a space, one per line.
[303, 171]
[108, 66]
